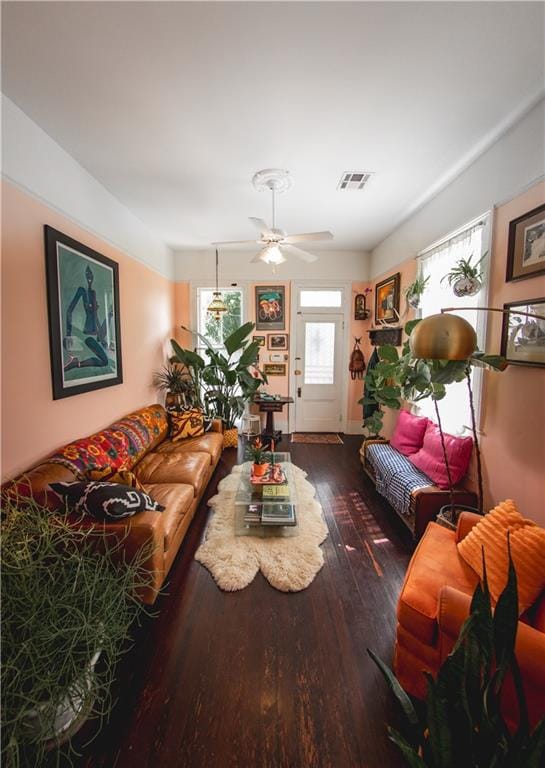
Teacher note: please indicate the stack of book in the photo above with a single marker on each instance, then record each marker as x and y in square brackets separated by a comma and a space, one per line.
[278, 514]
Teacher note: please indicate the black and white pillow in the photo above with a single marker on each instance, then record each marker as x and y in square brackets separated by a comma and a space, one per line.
[105, 501]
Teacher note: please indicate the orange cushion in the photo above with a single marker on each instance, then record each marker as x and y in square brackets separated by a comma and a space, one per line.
[184, 424]
[122, 475]
[527, 550]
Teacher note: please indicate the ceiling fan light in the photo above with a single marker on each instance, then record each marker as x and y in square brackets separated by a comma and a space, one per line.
[272, 255]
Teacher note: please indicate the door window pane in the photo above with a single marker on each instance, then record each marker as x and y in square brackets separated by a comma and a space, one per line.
[319, 353]
[320, 298]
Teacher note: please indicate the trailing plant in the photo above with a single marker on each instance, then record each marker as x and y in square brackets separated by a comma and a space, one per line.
[414, 290]
[63, 602]
[399, 377]
[465, 270]
[462, 724]
[224, 383]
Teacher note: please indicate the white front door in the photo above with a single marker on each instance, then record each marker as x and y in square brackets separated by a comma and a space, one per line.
[318, 372]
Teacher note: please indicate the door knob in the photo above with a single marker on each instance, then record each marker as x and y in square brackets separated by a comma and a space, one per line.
[297, 372]
[298, 391]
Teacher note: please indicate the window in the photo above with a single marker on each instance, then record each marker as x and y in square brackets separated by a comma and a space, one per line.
[216, 331]
[435, 263]
[320, 298]
[319, 353]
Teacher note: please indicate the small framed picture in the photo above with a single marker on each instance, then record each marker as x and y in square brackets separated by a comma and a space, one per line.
[270, 308]
[274, 369]
[277, 341]
[526, 248]
[387, 300]
[260, 340]
[523, 338]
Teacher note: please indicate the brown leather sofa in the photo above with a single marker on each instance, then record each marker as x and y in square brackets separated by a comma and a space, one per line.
[434, 603]
[174, 473]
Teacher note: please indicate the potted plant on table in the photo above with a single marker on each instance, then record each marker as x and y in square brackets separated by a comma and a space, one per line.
[68, 609]
[465, 278]
[225, 382]
[260, 458]
[177, 383]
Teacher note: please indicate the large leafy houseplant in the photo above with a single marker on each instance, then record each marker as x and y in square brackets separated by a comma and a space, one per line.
[68, 602]
[225, 381]
[399, 377]
[462, 725]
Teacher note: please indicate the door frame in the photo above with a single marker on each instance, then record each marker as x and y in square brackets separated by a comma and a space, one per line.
[344, 310]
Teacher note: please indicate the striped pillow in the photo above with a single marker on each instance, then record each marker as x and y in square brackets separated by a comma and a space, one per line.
[527, 550]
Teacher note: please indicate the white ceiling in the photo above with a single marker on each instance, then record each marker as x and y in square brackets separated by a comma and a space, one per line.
[174, 106]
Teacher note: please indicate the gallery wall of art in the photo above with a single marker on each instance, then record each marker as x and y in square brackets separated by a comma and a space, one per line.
[34, 424]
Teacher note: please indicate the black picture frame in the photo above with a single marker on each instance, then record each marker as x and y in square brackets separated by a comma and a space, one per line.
[387, 291]
[69, 267]
[518, 244]
[270, 307]
[535, 333]
[277, 341]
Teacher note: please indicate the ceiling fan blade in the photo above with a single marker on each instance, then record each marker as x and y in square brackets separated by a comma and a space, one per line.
[236, 242]
[293, 251]
[260, 225]
[308, 236]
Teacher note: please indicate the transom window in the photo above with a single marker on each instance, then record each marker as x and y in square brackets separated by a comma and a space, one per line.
[320, 297]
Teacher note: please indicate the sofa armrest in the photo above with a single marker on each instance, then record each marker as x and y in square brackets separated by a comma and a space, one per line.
[453, 611]
[466, 521]
[216, 426]
[144, 534]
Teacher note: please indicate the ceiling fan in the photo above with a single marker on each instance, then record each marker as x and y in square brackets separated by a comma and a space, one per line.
[276, 243]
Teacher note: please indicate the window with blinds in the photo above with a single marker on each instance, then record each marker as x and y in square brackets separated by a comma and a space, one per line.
[435, 263]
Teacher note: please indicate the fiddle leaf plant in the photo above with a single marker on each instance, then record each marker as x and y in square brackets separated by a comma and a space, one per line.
[462, 723]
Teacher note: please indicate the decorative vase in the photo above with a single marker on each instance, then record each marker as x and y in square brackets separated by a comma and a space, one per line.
[467, 286]
[230, 438]
[260, 469]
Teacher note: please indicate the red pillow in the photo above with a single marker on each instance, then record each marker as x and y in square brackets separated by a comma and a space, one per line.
[429, 458]
[409, 433]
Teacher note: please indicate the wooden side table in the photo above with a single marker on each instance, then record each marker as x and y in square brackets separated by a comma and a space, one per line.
[270, 407]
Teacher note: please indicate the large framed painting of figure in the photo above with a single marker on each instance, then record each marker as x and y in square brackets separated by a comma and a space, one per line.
[270, 308]
[83, 306]
[526, 247]
[387, 300]
[523, 337]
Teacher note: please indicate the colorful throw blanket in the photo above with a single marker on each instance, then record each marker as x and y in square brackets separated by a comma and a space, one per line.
[396, 477]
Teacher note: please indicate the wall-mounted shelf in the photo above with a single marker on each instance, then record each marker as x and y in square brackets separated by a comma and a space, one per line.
[379, 336]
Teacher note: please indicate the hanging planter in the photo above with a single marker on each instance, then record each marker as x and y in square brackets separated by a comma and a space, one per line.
[414, 291]
[465, 278]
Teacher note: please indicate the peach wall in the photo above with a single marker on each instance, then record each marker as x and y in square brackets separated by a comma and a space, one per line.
[33, 423]
[513, 410]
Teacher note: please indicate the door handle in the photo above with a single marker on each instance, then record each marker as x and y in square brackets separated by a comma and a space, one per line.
[298, 391]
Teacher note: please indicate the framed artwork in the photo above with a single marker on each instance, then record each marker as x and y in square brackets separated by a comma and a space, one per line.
[83, 308]
[260, 340]
[523, 338]
[277, 341]
[274, 369]
[387, 300]
[360, 307]
[526, 247]
[270, 308]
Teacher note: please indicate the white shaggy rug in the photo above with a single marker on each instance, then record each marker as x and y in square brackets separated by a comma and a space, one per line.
[288, 563]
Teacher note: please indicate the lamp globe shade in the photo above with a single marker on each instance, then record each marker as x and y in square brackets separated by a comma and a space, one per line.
[443, 337]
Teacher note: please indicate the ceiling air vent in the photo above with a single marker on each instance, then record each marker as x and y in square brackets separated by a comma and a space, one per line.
[354, 180]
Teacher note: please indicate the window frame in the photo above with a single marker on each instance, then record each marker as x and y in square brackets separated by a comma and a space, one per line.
[204, 285]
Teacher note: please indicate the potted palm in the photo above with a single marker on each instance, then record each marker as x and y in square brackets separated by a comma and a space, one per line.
[176, 382]
[68, 609]
[465, 278]
[226, 381]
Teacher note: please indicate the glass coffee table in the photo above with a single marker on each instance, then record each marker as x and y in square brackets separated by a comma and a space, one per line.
[267, 510]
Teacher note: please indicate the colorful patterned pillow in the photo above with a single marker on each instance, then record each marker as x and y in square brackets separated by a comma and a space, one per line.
[105, 501]
[186, 424]
[141, 429]
[123, 476]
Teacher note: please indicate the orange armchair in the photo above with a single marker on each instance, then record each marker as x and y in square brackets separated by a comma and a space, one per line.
[434, 603]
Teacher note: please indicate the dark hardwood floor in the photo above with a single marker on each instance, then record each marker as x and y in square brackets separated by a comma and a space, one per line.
[262, 679]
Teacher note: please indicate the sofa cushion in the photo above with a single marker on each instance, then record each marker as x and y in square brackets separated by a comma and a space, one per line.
[435, 563]
[144, 430]
[409, 433]
[177, 500]
[113, 475]
[105, 501]
[395, 477]
[527, 542]
[188, 468]
[186, 424]
[210, 443]
[429, 459]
